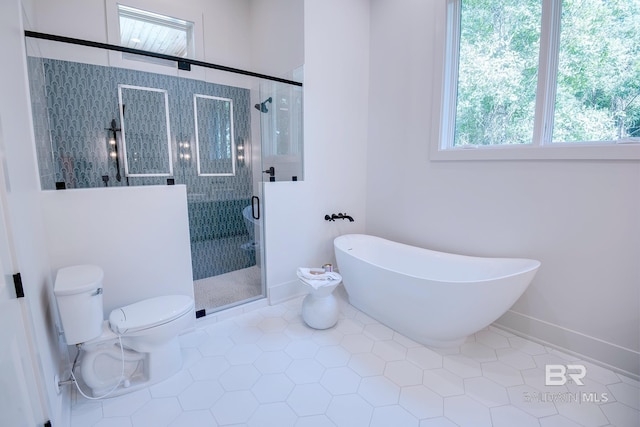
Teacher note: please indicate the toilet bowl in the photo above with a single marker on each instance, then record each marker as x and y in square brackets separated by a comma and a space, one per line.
[137, 346]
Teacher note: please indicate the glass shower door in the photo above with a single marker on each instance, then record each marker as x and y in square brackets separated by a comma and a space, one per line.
[214, 159]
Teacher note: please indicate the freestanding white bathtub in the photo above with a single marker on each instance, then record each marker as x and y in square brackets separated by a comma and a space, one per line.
[434, 298]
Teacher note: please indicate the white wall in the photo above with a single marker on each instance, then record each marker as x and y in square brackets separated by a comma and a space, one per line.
[222, 34]
[335, 137]
[139, 236]
[263, 36]
[580, 218]
[24, 207]
[277, 29]
[225, 40]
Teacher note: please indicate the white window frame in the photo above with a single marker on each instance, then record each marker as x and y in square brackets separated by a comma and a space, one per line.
[541, 147]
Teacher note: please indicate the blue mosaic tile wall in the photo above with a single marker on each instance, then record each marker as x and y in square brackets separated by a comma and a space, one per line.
[74, 105]
[37, 86]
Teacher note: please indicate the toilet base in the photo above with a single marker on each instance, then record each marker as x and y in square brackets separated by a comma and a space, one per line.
[320, 312]
[101, 367]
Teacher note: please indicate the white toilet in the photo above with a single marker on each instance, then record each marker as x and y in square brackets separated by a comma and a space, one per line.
[148, 330]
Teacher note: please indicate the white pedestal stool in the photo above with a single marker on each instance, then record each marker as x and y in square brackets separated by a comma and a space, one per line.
[319, 307]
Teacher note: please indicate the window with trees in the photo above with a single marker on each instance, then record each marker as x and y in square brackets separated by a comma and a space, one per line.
[144, 30]
[542, 73]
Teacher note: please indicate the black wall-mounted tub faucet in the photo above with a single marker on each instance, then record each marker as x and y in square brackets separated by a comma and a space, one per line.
[333, 217]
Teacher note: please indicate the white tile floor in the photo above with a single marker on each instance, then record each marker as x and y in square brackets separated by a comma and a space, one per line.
[266, 368]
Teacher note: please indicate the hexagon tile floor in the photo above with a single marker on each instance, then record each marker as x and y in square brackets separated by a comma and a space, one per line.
[266, 368]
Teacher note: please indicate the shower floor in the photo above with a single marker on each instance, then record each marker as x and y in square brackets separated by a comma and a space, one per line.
[228, 288]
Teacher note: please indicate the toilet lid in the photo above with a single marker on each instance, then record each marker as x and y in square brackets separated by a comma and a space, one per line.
[149, 313]
[77, 279]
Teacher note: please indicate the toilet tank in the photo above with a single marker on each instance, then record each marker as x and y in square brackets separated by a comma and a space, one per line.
[78, 291]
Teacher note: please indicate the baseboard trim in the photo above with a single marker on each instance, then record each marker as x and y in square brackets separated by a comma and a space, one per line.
[611, 356]
[286, 291]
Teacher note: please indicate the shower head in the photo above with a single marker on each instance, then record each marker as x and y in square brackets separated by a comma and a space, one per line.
[262, 107]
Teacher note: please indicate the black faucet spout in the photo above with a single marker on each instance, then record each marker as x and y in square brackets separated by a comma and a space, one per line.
[333, 217]
[342, 216]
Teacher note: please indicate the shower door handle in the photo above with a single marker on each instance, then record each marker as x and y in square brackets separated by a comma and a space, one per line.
[255, 202]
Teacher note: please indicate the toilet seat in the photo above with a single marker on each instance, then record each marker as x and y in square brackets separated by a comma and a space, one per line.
[149, 313]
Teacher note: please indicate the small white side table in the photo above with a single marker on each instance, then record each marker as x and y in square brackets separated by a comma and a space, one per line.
[319, 307]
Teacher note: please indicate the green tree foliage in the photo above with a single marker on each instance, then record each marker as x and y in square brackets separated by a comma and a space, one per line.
[598, 95]
[498, 69]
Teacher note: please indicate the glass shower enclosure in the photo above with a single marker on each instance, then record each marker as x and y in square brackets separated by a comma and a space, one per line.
[99, 126]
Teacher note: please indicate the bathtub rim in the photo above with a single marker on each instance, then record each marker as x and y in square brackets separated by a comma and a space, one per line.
[535, 264]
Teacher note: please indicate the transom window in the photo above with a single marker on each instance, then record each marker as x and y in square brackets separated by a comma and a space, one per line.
[541, 73]
[140, 29]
